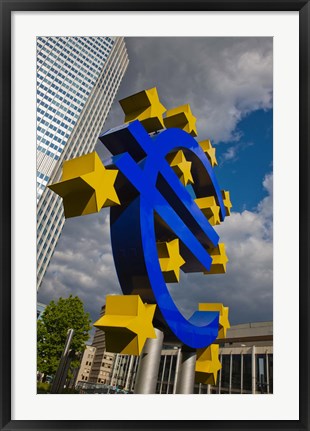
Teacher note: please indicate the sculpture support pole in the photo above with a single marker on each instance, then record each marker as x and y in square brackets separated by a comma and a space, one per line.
[186, 373]
[177, 368]
[253, 371]
[147, 373]
[62, 370]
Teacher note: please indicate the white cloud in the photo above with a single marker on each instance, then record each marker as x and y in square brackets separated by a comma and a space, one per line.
[232, 153]
[223, 79]
[83, 263]
[247, 286]
[266, 205]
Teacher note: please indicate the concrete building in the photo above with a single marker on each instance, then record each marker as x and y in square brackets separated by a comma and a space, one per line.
[101, 371]
[86, 364]
[77, 81]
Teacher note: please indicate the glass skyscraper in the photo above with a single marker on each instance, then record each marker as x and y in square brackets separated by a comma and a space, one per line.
[77, 80]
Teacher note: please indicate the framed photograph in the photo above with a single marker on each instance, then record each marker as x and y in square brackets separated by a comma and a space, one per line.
[244, 68]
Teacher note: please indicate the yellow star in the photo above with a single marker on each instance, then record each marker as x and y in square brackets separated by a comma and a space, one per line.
[144, 106]
[223, 318]
[227, 202]
[181, 167]
[209, 151]
[86, 186]
[170, 260]
[210, 209]
[127, 324]
[219, 260]
[207, 365]
[181, 118]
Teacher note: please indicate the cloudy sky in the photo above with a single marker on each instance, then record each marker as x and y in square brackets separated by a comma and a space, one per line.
[228, 84]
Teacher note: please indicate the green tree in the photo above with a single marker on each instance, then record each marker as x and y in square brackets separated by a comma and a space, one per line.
[52, 332]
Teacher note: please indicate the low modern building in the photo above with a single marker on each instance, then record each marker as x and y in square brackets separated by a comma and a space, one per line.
[247, 360]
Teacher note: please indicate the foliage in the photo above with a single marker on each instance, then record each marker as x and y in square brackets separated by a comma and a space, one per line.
[43, 388]
[52, 332]
[70, 391]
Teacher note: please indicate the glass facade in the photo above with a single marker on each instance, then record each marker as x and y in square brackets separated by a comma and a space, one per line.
[236, 372]
[40, 309]
[67, 69]
[225, 371]
[270, 372]
[77, 80]
[245, 373]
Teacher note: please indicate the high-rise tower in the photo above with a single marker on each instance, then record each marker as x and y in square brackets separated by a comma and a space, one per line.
[77, 80]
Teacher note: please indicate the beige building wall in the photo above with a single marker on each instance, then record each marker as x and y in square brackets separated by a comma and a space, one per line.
[102, 367]
[86, 364]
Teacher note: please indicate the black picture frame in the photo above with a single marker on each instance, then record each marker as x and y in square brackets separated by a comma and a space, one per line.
[7, 7]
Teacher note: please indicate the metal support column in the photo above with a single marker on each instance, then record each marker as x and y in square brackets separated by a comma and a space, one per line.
[241, 375]
[186, 375]
[177, 368]
[62, 370]
[267, 372]
[162, 375]
[129, 373]
[220, 376]
[230, 373]
[169, 375]
[253, 371]
[147, 373]
[134, 374]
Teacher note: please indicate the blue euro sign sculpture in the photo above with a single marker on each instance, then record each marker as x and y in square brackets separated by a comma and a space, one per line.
[156, 206]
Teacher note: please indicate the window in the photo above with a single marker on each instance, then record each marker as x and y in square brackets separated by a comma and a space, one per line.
[270, 368]
[236, 373]
[225, 372]
[247, 373]
[261, 375]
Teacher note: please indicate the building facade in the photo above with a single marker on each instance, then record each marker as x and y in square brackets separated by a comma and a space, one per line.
[40, 309]
[102, 367]
[86, 364]
[247, 360]
[77, 81]
[124, 372]
[246, 356]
